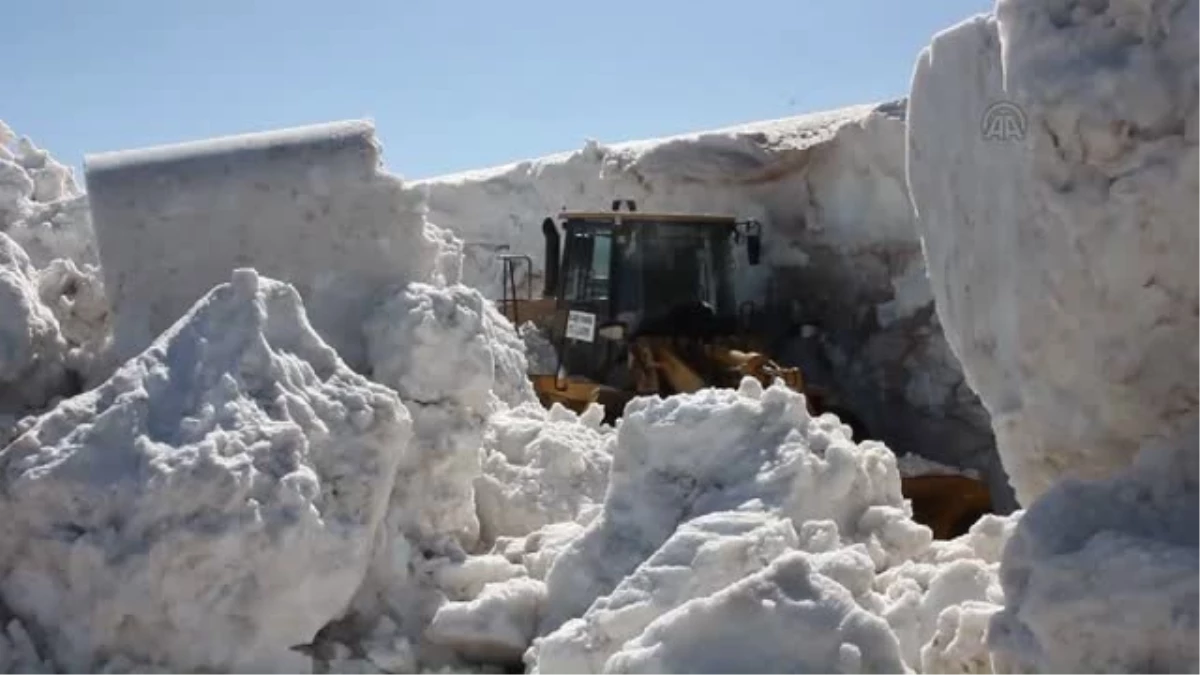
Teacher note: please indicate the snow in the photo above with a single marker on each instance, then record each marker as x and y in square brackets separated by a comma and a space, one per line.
[33, 371]
[1064, 262]
[41, 207]
[1101, 576]
[540, 467]
[716, 450]
[706, 492]
[309, 206]
[211, 504]
[495, 627]
[377, 489]
[454, 360]
[703, 556]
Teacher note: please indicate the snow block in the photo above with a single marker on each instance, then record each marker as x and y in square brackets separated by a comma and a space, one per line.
[309, 206]
[1052, 160]
[212, 504]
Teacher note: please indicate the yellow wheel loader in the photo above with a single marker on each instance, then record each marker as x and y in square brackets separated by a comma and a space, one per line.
[642, 304]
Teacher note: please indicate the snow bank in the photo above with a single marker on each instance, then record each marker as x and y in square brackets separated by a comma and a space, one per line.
[841, 255]
[309, 206]
[713, 498]
[682, 457]
[41, 207]
[212, 504]
[1063, 255]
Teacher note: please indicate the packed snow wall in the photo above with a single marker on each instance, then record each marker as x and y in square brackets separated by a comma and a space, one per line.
[1052, 160]
[842, 260]
[309, 206]
[1064, 255]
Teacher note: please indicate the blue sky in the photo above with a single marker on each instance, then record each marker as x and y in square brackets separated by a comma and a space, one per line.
[451, 85]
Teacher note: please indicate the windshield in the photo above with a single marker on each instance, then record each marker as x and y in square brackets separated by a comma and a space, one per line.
[684, 264]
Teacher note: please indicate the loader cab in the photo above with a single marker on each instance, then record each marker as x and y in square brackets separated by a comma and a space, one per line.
[624, 274]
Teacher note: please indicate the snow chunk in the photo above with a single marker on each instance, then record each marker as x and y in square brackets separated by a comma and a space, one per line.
[788, 618]
[959, 644]
[210, 505]
[543, 357]
[717, 450]
[540, 467]
[436, 344]
[454, 360]
[41, 206]
[465, 580]
[32, 349]
[76, 297]
[538, 550]
[1101, 576]
[703, 556]
[494, 628]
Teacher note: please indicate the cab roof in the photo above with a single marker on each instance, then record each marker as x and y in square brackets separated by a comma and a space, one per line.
[634, 216]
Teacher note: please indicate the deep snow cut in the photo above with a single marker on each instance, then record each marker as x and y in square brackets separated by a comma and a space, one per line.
[842, 279]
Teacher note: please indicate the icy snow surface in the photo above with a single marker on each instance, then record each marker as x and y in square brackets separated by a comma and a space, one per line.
[841, 255]
[1064, 262]
[211, 504]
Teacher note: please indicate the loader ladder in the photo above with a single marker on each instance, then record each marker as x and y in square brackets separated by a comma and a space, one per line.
[508, 284]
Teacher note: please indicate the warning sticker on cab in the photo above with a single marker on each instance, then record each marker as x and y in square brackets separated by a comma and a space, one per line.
[581, 326]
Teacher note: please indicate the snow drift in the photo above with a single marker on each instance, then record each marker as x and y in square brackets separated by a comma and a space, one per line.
[211, 504]
[843, 277]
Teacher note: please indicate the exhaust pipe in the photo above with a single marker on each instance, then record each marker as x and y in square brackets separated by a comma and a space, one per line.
[550, 279]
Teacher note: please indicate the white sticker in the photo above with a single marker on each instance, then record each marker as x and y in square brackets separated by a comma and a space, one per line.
[581, 326]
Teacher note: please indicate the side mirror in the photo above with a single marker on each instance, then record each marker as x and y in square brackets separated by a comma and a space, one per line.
[754, 248]
[615, 331]
[752, 231]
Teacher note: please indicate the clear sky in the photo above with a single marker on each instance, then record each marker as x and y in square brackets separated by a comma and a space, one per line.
[451, 85]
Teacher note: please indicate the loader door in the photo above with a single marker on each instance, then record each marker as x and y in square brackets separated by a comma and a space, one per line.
[587, 299]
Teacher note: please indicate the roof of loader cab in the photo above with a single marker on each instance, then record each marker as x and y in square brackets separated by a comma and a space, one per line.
[635, 216]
